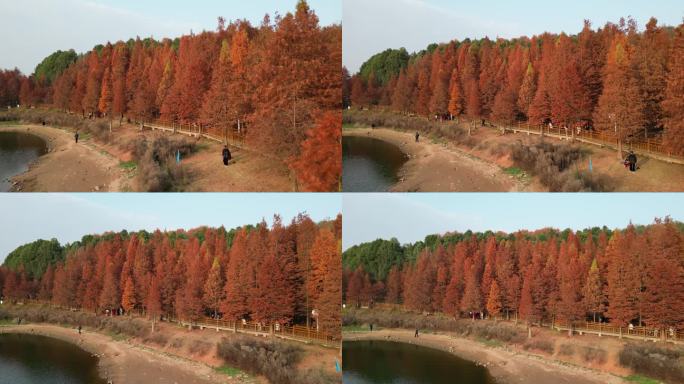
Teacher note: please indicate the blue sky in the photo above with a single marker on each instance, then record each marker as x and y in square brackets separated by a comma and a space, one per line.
[67, 217]
[371, 26]
[410, 217]
[33, 29]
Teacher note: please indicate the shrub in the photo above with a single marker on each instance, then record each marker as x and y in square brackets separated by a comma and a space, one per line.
[157, 338]
[398, 319]
[449, 130]
[552, 163]
[273, 359]
[177, 342]
[654, 361]
[593, 355]
[156, 159]
[543, 345]
[566, 350]
[199, 347]
[126, 326]
[98, 128]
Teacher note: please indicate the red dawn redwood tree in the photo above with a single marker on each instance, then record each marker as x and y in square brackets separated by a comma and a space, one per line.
[664, 282]
[128, 300]
[494, 300]
[394, 286]
[153, 304]
[593, 297]
[214, 288]
[119, 70]
[319, 165]
[620, 107]
[455, 94]
[234, 305]
[472, 298]
[527, 91]
[673, 104]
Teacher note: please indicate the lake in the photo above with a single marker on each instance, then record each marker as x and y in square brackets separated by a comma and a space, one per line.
[369, 164]
[33, 359]
[388, 362]
[17, 151]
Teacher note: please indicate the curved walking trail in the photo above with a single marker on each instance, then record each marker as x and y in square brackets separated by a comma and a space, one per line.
[123, 362]
[434, 167]
[505, 365]
[68, 166]
[93, 167]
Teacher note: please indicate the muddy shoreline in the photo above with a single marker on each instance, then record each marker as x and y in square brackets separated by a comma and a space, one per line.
[435, 167]
[124, 362]
[506, 365]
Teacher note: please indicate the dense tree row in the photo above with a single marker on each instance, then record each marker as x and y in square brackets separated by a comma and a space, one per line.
[635, 275]
[278, 274]
[273, 83]
[612, 77]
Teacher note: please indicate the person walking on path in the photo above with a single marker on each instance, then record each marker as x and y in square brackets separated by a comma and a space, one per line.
[371, 327]
[76, 137]
[226, 155]
[417, 136]
[79, 329]
[632, 160]
[416, 334]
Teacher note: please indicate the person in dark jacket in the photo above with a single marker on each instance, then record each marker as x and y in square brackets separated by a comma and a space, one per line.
[226, 155]
[632, 160]
[417, 136]
[76, 137]
[416, 334]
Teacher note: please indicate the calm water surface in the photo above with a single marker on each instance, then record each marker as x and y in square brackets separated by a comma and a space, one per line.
[33, 359]
[387, 362]
[369, 164]
[17, 151]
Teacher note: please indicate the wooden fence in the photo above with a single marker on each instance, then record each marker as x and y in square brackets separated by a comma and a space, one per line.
[651, 147]
[295, 332]
[224, 135]
[300, 333]
[640, 333]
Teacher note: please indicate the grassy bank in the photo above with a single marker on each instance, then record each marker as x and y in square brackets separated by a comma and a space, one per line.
[647, 361]
[154, 158]
[275, 359]
[556, 165]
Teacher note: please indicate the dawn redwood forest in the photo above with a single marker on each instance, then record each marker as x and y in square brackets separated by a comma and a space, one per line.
[614, 78]
[632, 275]
[277, 84]
[267, 275]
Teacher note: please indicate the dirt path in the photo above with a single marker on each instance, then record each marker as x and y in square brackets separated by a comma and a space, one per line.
[435, 167]
[67, 167]
[124, 362]
[246, 172]
[92, 166]
[505, 365]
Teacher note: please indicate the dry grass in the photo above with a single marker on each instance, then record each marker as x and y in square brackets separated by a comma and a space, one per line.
[275, 360]
[156, 162]
[97, 128]
[447, 130]
[539, 344]
[121, 325]
[486, 330]
[554, 164]
[664, 363]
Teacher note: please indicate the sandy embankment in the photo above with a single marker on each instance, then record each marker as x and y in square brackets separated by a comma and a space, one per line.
[124, 362]
[91, 166]
[67, 167]
[434, 167]
[506, 365]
